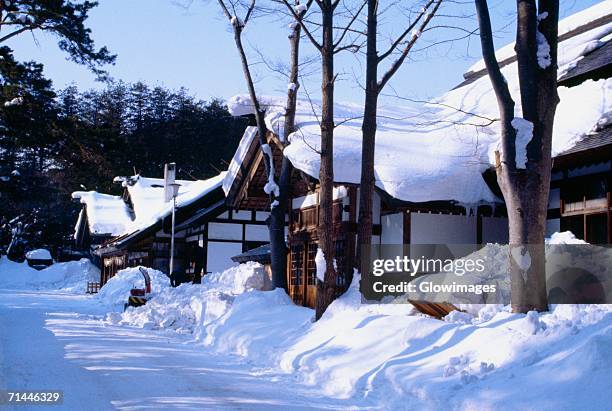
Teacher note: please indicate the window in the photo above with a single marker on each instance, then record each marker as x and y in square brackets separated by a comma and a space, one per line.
[297, 262]
[585, 209]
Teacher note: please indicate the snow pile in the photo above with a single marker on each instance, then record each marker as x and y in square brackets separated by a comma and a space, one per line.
[190, 307]
[388, 356]
[71, 276]
[591, 258]
[39, 254]
[238, 279]
[116, 291]
[566, 237]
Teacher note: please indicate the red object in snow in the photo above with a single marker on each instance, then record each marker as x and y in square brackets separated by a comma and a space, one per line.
[138, 295]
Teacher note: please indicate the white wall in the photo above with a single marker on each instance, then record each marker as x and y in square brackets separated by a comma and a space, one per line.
[494, 230]
[225, 231]
[442, 229]
[257, 233]
[241, 215]
[219, 255]
[261, 215]
[392, 229]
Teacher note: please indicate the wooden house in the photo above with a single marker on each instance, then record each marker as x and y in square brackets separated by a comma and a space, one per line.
[135, 228]
[435, 181]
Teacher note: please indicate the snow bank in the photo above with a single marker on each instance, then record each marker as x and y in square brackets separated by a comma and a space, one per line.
[386, 356]
[390, 357]
[566, 237]
[116, 291]
[496, 271]
[39, 254]
[190, 307]
[69, 277]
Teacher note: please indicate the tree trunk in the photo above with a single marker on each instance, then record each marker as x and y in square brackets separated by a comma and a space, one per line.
[526, 190]
[326, 290]
[278, 249]
[368, 143]
[276, 221]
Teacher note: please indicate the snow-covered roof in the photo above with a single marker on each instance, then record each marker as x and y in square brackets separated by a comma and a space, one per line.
[106, 214]
[439, 151]
[111, 215]
[239, 156]
[39, 254]
[566, 26]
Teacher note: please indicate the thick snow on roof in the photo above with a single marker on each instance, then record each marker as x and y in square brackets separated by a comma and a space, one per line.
[109, 214]
[39, 254]
[440, 150]
[147, 195]
[239, 156]
[566, 25]
[106, 214]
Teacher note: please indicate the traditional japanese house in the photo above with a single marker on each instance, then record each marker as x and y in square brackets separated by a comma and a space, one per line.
[435, 180]
[137, 226]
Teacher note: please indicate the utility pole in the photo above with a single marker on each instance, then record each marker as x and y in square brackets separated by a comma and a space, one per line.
[175, 189]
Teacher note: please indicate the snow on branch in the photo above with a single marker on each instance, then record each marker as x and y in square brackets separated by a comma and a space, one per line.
[524, 134]
[271, 187]
[543, 53]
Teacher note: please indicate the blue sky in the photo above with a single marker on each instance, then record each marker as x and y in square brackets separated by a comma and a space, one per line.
[187, 43]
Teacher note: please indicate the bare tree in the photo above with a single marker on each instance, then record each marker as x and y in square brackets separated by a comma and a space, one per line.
[278, 193]
[329, 45]
[525, 182]
[373, 87]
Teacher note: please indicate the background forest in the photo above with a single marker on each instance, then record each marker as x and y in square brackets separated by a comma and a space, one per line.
[53, 142]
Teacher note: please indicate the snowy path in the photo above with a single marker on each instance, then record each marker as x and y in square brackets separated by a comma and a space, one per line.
[57, 341]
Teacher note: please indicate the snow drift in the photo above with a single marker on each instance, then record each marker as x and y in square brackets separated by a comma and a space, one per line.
[389, 356]
[116, 291]
[186, 308]
[71, 276]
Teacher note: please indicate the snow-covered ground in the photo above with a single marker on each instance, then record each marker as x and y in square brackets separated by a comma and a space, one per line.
[67, 277]
[227, 343]
[389, 357]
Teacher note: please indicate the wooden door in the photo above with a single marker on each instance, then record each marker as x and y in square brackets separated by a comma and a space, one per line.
[310, 286]
[296, 273]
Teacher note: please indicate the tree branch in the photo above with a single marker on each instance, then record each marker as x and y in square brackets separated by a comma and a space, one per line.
[401, 38]
[400, 60]
[300, 21]
[500, 86]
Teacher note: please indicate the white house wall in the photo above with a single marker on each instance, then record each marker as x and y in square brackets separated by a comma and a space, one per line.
[225, 231]
[494, 230]
[442, 229]
[257, 233]
[392, 229]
